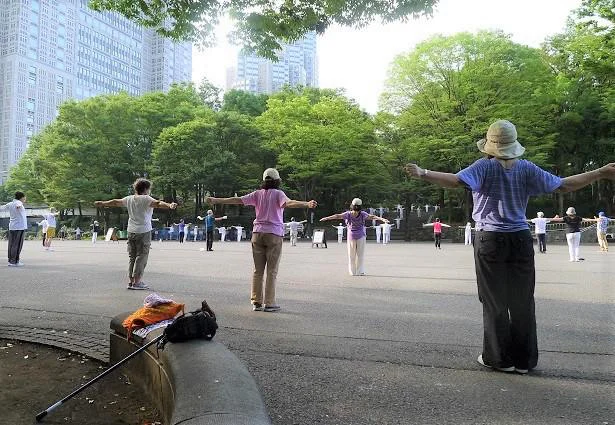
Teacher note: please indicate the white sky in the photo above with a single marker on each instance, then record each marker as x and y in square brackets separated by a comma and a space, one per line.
[358, 60]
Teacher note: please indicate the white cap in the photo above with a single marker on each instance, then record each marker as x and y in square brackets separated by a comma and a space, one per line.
[356, 201]
[571, 211]
[271, 173]
[540, 214]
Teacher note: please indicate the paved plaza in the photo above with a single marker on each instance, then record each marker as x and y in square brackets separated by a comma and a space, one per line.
[398, 346]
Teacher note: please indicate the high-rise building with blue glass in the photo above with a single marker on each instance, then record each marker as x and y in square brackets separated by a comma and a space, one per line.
[297, 66]
[54, 50]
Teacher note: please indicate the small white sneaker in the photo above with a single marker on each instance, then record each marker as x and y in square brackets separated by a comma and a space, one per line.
[501, 369]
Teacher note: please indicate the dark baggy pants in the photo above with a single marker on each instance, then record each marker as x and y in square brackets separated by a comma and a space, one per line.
[181, 237]
[437, 238]
[542, 242]
[16, 238]
[506, 279]
[210, 239]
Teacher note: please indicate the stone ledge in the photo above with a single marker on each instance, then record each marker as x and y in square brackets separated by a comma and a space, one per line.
[196, 382]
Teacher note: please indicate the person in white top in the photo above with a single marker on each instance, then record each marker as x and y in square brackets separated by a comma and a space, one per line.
[239, 230]
[541, 230]
[294, 230]
[51, 227]
[378, 228]
[43, 224]
[468, 234]
[386, 233]
[340, 232]
[222, 231]
[78, 233]
[18, 223]
[140, 208]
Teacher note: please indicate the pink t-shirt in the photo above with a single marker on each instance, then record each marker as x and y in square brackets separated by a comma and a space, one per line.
[437, 227]
[269, 206]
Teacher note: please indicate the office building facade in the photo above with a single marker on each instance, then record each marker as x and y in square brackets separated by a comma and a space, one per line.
[54, 50]
[297, 66]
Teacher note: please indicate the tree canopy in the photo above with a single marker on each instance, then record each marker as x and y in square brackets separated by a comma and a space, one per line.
[260, 25]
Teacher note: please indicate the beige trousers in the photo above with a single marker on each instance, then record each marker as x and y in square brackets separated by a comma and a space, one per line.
[604, 245]
[138, 252]
[266, 251]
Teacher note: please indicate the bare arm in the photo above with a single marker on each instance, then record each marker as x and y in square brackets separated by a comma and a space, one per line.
[435, 177]
[109, 203]
[291, 203]
[375, 217]
[234, 200]
[163, 205]
[578, 181]
[333, 217]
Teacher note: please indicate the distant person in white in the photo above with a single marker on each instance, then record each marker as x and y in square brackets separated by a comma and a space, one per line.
[140, 208]
[468, 234]
[95, 229]
[222, 231]
[541, 230]
[43, 224]
[386, 233]
[294, 230]
[78, 233]
[239, 230]
[340, 232]
[51, 227]
[378, 228]
[18, 223]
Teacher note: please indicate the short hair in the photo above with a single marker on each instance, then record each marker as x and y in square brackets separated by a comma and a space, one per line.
[19, 195]
[141, 185]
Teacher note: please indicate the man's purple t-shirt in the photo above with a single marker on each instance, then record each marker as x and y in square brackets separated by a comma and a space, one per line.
[269, 206]
[356, 225]
[501, 195]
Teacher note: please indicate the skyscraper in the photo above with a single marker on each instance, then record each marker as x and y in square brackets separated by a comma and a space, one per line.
[54, 50]
[297, 65]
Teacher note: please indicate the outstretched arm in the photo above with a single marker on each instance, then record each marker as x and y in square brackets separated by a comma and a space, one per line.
[291, 203]
[578, 181]
[161, 204]
[109, 203]
[375, 217]
[220, 218]
[333, 217]
[441, 179]
[445, 225]
[234, 200]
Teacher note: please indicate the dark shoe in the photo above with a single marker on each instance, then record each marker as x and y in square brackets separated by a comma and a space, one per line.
[257, 307]
[501, 369]
[272, 308]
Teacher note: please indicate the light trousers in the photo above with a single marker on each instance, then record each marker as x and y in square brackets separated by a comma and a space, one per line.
[138, 253]
[468, 238]
[356, 249]
[574, 240]
[94, 236]
[386, 237]
[340, 238]
[266, 252]
[604, 245]
[293, 238]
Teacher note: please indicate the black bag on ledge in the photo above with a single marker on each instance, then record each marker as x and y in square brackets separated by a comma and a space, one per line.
[199, 324]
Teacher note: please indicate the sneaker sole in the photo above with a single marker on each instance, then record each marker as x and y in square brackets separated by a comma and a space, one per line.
[500, 369]
[138, 288]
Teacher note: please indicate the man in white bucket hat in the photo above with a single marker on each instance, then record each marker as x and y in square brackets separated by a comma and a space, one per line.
[501, 185]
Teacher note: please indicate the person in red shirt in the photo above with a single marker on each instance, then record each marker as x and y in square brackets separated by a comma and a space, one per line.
[437, 231]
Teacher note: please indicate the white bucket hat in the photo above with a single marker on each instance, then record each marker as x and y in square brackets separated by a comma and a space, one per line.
[356, 201]
[271, 173]
[571, 211]
[501, 141]
[541, 214]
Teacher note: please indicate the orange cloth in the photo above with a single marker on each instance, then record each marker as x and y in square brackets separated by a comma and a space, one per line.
[146, 316]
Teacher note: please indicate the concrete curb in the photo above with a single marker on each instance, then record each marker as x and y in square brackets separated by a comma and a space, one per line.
[196, 382]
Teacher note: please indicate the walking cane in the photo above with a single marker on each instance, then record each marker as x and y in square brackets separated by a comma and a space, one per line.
[41, 415]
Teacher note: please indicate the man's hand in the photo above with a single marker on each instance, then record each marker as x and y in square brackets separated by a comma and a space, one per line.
[608, 171]
[173, 205]
[208, 200]
[98, 203]
[414, 170]
[312, 204]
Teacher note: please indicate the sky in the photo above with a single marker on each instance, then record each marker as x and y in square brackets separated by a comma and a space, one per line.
[357, 60]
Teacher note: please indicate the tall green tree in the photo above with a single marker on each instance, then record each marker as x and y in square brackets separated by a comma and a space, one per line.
[244, 102]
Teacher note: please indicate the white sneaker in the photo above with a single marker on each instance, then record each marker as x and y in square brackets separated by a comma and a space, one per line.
[501, 369]
[20, 264]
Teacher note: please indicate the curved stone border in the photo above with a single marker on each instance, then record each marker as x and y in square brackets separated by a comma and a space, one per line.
[193, 383]
[86, 344]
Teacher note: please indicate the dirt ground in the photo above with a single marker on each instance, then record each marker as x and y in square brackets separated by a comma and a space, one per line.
[33, 377]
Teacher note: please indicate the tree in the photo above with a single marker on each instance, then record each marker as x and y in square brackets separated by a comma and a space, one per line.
[448, 90]
[244, 102]
[260, 24]
[325, 147]
[210, 94]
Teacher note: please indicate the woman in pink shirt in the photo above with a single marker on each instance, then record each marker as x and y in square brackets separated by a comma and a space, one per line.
[437, 231]
[267, 234]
